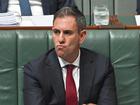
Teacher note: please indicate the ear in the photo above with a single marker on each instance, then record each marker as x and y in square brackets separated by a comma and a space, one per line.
[83, 35]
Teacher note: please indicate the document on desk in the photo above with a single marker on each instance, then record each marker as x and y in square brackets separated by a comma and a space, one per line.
[45, 20]
[8, 19]
[137, 18]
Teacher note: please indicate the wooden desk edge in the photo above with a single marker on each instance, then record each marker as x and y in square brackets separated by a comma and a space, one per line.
[25, 28]
[49, 28]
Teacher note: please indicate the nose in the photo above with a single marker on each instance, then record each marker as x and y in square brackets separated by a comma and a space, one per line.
[61, 38]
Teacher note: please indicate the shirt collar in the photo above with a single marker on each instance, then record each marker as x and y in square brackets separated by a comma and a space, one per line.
[63, 63]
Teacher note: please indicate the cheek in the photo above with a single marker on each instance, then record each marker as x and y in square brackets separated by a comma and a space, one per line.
[74, 43]
[54, 39]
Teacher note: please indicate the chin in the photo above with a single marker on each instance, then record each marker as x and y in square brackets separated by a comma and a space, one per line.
[60, 54]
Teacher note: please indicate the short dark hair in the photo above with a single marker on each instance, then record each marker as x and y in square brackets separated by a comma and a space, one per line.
[70, 11]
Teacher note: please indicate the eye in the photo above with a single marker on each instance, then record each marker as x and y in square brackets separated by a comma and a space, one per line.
[55, 31]
[68, 32]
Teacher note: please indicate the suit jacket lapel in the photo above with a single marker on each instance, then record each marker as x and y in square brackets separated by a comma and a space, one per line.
[86, 77]
[56, 77]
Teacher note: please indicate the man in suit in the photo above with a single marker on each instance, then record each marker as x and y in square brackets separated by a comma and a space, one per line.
[48, 6]
[46, 80]
[138, 6]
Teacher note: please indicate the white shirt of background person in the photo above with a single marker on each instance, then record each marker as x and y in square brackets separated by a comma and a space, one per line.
[36, 7]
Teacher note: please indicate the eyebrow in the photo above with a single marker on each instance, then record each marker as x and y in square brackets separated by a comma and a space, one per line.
[68, 31]
[55, 29]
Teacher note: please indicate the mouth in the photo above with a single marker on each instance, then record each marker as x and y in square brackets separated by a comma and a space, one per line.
[60, 46]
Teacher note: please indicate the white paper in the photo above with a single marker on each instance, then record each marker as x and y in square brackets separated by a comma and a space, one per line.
[45, 20]
[137, 17]
[26, 21]
[8, 18]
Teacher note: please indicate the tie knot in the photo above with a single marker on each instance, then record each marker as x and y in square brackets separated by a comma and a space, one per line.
[70, 67]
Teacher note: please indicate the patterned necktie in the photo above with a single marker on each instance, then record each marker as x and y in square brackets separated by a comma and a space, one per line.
[25, 8]
[71, 94]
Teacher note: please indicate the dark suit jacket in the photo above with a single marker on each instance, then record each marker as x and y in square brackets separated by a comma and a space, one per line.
[138, 6]
[49, 6]
[43, 81]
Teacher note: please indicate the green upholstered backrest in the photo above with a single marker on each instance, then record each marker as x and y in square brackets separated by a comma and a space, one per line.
[30, 44]
[18, 47]
[98, 41]
[8, 71]
[125, 55]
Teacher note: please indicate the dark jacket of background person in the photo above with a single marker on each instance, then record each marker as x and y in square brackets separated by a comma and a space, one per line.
[138, 6]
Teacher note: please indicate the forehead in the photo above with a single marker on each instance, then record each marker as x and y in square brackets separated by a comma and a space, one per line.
[65, 17]
[65, 22]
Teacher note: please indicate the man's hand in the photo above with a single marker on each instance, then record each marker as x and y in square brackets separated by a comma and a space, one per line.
[89, 104]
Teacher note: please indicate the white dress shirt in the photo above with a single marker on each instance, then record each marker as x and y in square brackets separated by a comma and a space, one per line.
[76, 71]
[36, 6]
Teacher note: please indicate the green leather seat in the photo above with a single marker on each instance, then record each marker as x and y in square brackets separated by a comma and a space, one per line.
[125, 55]
[30, 44]
[8, 73]
[98, 41]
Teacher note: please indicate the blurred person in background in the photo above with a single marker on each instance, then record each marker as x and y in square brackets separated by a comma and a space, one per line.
[36, 7]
